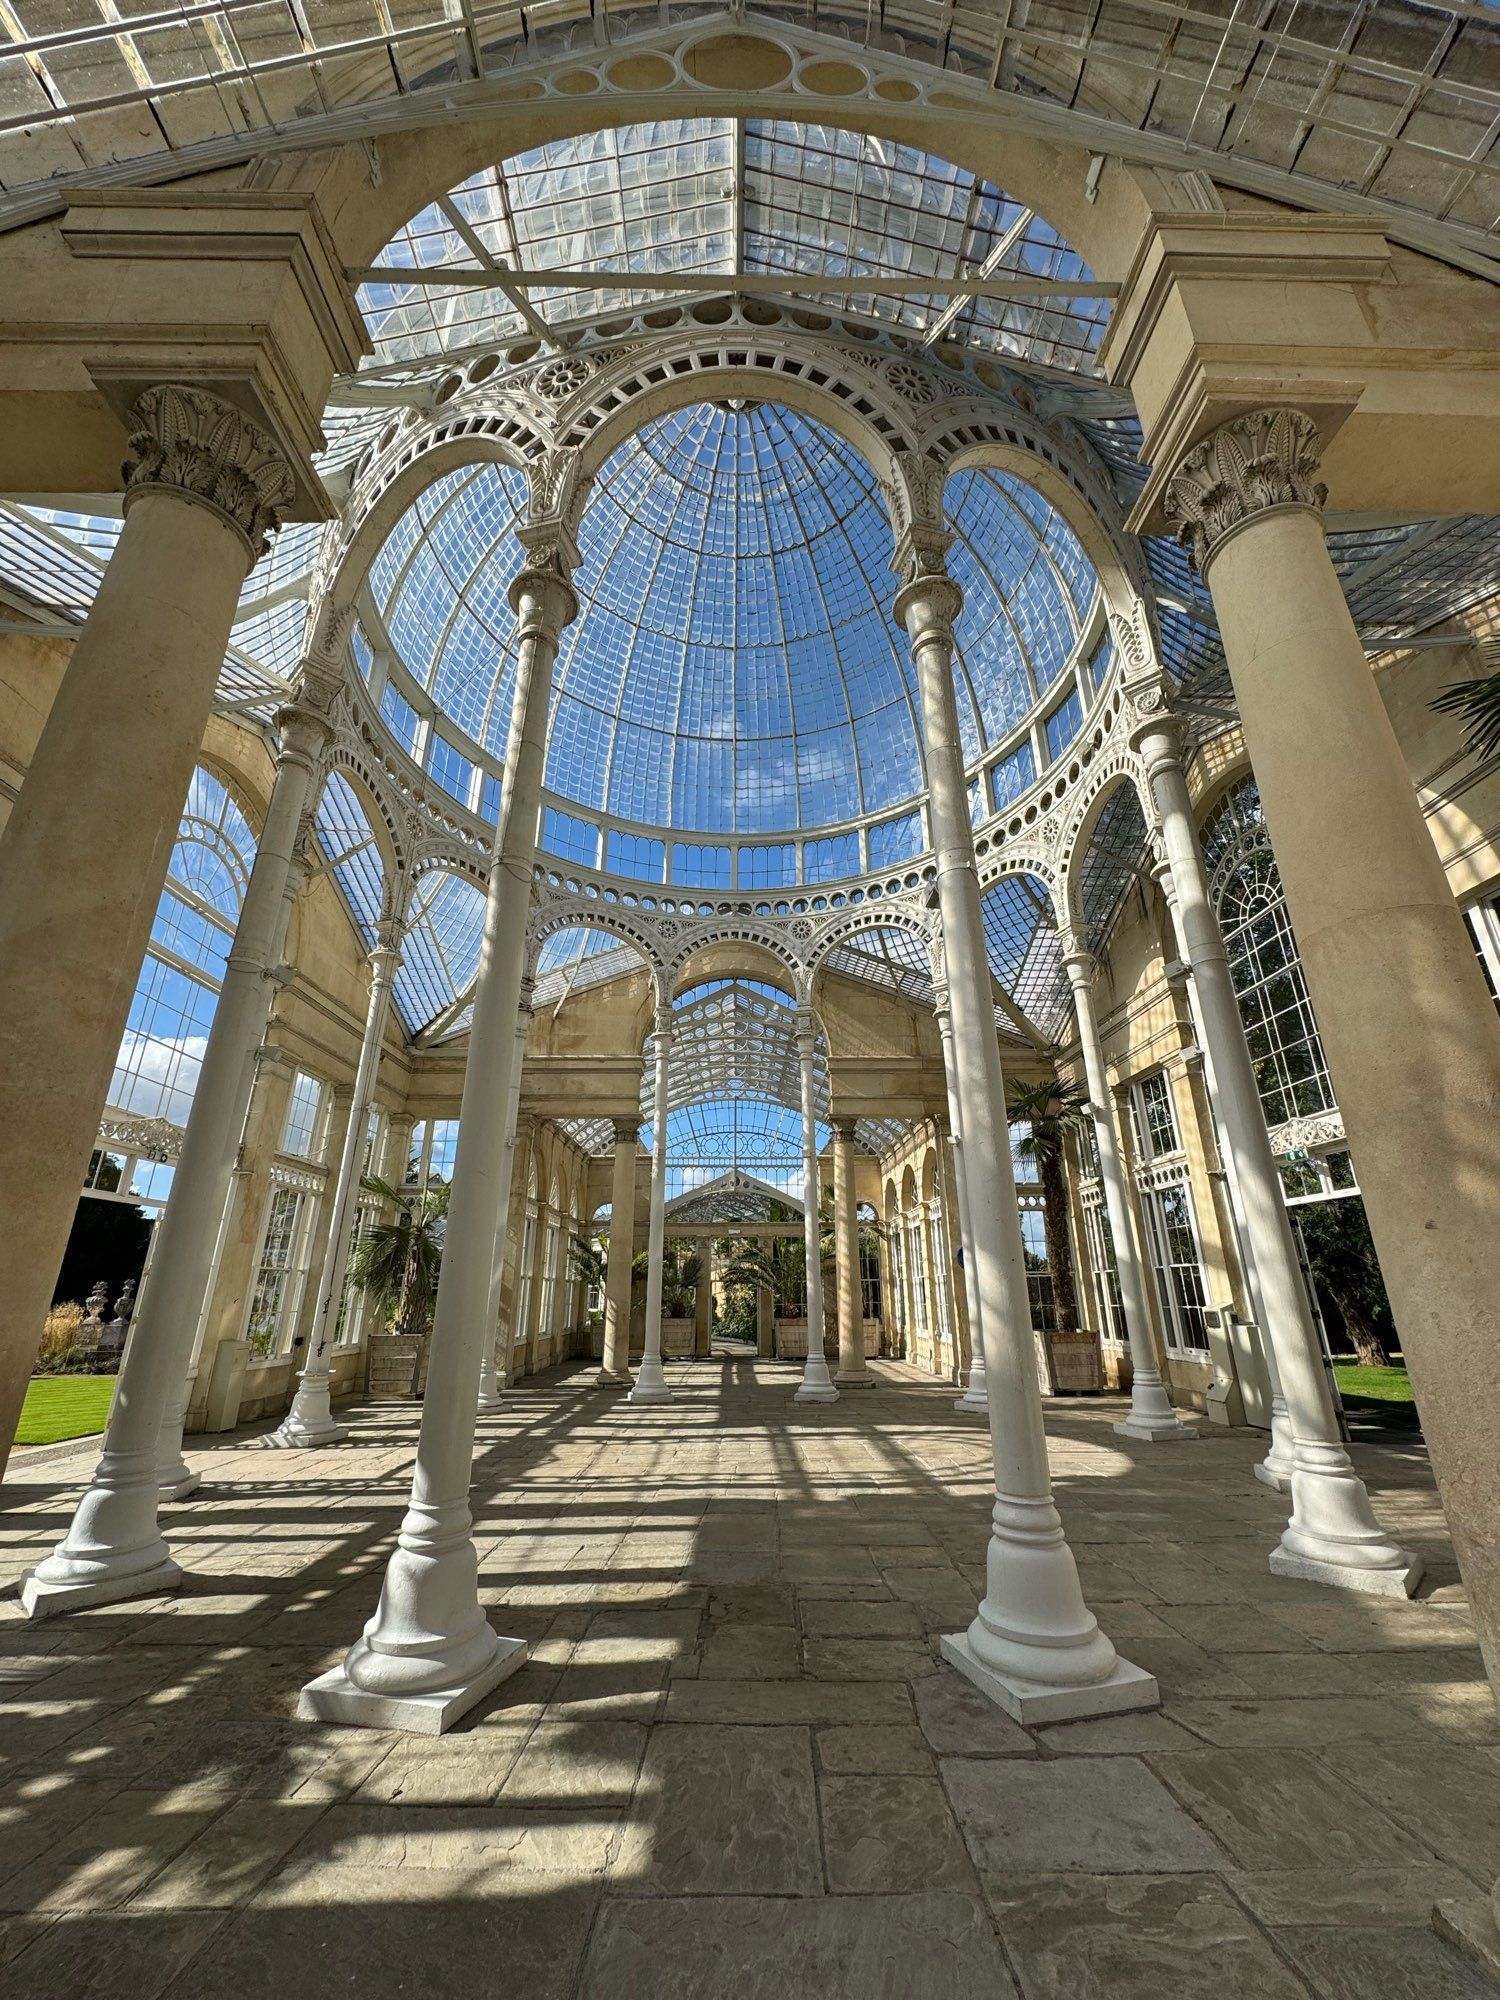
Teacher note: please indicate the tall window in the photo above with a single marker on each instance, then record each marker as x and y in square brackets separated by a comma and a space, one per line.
[1245, 883]
[290, 1236]
[434, 1144]
[156, 1070]
[1105, 1270]
[1171, 1225]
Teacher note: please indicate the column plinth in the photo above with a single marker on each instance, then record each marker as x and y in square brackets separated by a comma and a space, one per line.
[852, 1372]
[615, 1372]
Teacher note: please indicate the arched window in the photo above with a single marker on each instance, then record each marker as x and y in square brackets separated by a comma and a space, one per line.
[161, 1055]
[1246, 887]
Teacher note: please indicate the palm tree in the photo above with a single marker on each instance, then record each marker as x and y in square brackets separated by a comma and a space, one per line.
[1477, 703]
[1050, 1110]
[681, 1270]
[777, 1262]
[588, 1262]
[395, 1261]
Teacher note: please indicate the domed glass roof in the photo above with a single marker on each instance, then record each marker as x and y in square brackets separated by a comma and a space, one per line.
[734, 668]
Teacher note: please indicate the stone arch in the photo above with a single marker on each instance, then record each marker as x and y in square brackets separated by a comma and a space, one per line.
[380, 801]
[879, 916]
[976, 442]
[731, 958]
[609, 921]
[776, 947]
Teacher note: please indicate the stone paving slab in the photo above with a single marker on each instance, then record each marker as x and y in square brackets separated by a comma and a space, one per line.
[734, 1765]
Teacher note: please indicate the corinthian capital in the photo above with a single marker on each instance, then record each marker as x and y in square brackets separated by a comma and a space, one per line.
[187, 441]
[1265, 459]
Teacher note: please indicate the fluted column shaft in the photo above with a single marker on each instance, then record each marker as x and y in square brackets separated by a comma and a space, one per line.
[975, 1395]
[84, 852]
[817, 1384]
[429, 1651]
[1032, 1627]
[651, 1382]
[618, 1273]
[1152, 1417]
[852, 1372]
[1332, 1536]
[310, 1419]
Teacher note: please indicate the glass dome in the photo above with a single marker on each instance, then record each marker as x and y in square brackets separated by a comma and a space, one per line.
[734, 668]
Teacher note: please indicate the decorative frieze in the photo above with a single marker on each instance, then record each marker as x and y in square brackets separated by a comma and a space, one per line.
[1265, 459]
[190, 442]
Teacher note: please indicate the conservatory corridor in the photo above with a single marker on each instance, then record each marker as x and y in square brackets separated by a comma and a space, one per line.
[733, 1765]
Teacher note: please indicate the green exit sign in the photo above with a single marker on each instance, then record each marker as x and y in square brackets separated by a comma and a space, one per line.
[1296, 1155]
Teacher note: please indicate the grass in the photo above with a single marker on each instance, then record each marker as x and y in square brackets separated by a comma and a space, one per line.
[64, 1406]
[1377, 1385]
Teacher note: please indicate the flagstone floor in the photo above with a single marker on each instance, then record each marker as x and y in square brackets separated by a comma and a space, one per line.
[734, 1766]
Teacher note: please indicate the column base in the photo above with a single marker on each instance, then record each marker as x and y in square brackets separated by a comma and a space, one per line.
[304, 1437]
[816, 1392]
[1397, 1580]
[856, 1378]
[1470, 1926]
[650, 1392]
[333, 1697]
[606, 1380]
[1267, 1474]
[1032, 1703]
[1156, 1430]
[41, 1599]
[178, 1488]
[487, 1405]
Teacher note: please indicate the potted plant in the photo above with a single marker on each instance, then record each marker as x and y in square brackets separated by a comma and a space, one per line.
[1050, 1111]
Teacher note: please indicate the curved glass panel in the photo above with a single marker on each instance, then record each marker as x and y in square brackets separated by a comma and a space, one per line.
[734, 668]
[698, 198]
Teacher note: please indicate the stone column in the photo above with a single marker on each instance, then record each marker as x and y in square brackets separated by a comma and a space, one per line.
[852, 1372]
[975, 1395]
[703, 1305]
[1034, 1646]
[310, 1419]
[651, 1383]
[615, 1374]
[493, 1379]
[1333, 1536]
[84, 852]
[429, 1653]
[1152, 1417]
[816, 1385]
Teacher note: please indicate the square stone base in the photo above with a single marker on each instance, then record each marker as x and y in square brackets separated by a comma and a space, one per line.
[1277, 1481]
[1032, 1703]
[333, 1697]
[805, 1395]
[180, 1488]
[1173, 1433]
[1346, 1576]
[861, 1378]
[41, 1600]
[1471, 1926]
[604, 1380]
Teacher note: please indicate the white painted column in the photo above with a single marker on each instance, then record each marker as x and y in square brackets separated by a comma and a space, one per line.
[1034, 1646]
[1333, 1536]
[1152, 1417]
[495, 1380]
[310, 1420]
[429, 1652]
[816, 1385]
[650, 1381]
[852, 1372]
[1275, 1469]
[114, 1548]
[615, 1371]
[976, 1394]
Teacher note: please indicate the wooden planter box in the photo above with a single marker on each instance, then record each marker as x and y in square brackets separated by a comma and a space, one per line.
[1077, 1362]
[396, 1369]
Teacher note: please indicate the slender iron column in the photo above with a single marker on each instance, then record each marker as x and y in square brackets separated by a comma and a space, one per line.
[975, 1395]
[310, 1419]
[429, 1652]
[114, 1548]
[1152, 1417]
[1034, 1646]
[494, 1377]
[816, 1385]
[1333, 1536]
[615, 1373]
[650, 1382]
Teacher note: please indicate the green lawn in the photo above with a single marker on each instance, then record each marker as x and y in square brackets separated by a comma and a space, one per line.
[1377, 1385]
[64, 1406]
